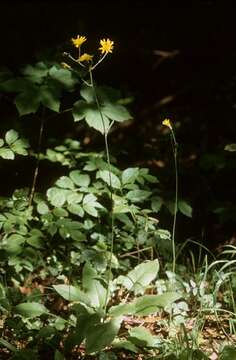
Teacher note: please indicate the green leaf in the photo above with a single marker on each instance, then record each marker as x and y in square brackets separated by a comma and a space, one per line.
[65, 182]
[19, 147]
[138, 195]
[60, 212]
[56, 196]
[1, 142]
[79, 110]
[129, 175]
[36, 73]
[185, 208]
[87, 93]
[72, 293]
[63, 77]
[28, 101]
[11, 136]
[74, 197]
[13, 244]
[6, 344]
[125, 344]
[142, 337]
[149, 304]
[76, 209]
[42, 208]
[93, 287]
[58, 356]
[30, 309]
[122, 309]
[49, 97]
[101, 335]
[156, 203]
[7, 154]
[108, 177]
[79, 179]
[90, 204]
[228, 353]
[230, 147]
[97, 120]
[140, 277]
[116, 112]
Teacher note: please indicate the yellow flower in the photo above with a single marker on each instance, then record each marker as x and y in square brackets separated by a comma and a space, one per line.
[106, 46]
[85, 57]
[77, 42]
[167, 123]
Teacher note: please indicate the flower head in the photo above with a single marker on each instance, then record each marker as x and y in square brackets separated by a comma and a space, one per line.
[106, 46]
[85, 57]
[167, 123]
[77, 42]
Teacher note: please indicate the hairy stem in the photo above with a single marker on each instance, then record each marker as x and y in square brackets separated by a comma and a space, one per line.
[175, 152]
[36, 171]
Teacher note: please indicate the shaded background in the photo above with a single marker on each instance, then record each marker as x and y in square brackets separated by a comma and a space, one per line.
[176, 62]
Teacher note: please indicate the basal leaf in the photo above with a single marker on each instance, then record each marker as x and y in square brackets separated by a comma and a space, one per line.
[30, 309]
[101, 335]
[149, 304]
[140, 277]
[72, 293]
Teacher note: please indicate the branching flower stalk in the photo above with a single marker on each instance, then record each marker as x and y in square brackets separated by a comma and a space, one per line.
[174, 144]
[106, 46]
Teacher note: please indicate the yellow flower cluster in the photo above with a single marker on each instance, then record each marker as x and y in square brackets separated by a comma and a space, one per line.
[85, 57]
[106, 46]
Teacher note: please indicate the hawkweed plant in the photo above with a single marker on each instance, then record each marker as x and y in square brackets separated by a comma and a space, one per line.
[174, 144]
[85, 60]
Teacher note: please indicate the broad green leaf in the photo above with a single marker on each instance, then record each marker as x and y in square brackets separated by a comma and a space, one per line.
[42, 208]
[72, 293]
[140, 277]
[74, 197]
[11, 136]
[56, 196]
[28, 101]
[228, 353]
[63, 77]
[76, 209]
[49, 97]
[97, 120]
[90, 209]
[80, 179]
[116, 112]
[7, 154]
[156, 203]
[87, 93]
[122, 309]
[124, 344]
[101, 335]
[108, 177]
[149, 304]
[138, 195]
[60, 212]
[142, 337]
[93, 287]
[120, 205]
[65, 182]
[1, 142]
[36, 73]
[129, 175]
[6, 344]
[58, 355]
[230, 147]
[79, 110]
[13, 244]
[20, 146]
[185, 208]
[90, 204]
[30, 309]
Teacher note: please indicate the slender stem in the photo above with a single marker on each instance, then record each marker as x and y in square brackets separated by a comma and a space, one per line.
[36, 171]
[110, 185]
[99, 61]
[175, 152]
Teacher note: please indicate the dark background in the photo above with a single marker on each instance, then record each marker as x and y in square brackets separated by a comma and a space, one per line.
[196, 88]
